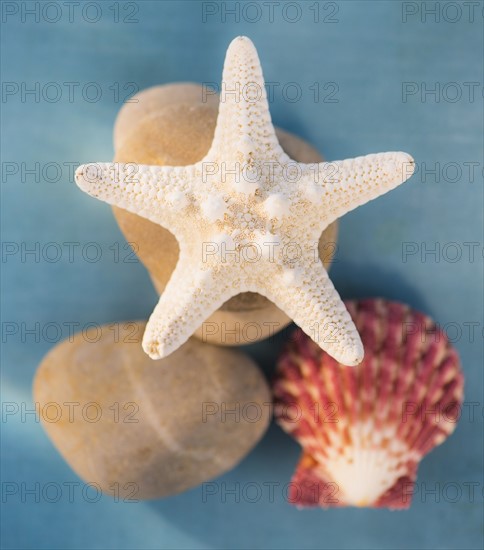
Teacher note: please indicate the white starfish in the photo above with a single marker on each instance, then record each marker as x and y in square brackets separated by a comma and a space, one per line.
[248, 218]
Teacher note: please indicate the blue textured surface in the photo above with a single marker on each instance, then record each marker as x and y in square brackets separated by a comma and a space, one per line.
[369, 52]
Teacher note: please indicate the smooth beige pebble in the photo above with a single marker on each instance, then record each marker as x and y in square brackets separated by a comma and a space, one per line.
[161, 427]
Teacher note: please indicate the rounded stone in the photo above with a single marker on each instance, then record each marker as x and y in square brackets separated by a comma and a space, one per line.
[144, 429]
[177, 133]
[154, 99]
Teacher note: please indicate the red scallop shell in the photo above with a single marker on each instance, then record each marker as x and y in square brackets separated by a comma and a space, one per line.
[365, 429]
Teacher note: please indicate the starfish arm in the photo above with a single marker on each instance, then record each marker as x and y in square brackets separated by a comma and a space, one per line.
[244, 122]
[347, 184]
[315, 306]
[157, 193]
[190, 297]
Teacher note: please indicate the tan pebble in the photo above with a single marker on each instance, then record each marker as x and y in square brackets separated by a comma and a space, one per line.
[154, 99]
[152, 438]
[180, 133]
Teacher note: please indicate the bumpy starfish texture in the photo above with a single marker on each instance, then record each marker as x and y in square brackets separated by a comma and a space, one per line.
[248, 218]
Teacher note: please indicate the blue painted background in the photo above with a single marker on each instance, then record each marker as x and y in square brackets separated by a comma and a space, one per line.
[369, 51]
